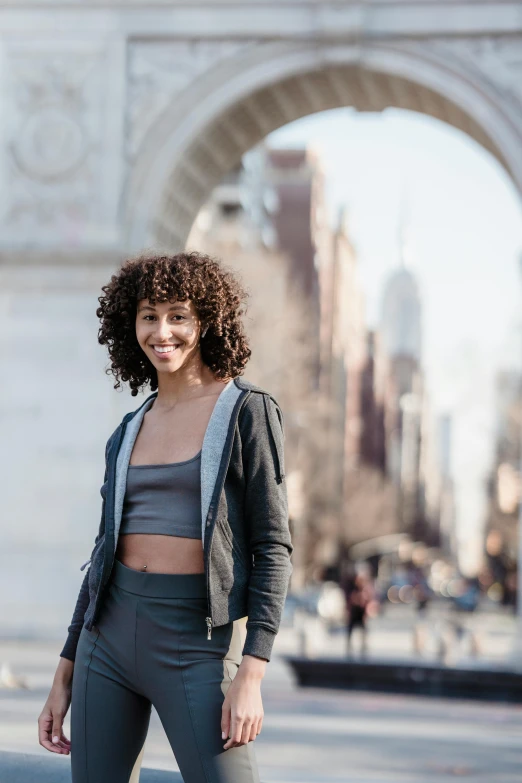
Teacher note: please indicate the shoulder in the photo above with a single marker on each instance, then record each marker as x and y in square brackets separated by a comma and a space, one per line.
[127, 417]
[260, 407]
[110, 440]
[114, 434]
[261, 429]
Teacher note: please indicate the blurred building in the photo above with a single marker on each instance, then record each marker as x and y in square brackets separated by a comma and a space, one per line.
[505, 484]
[302, 232]
[355, 387]
[401, 334]
[401, 315]
[343, 354]
[372, 444]
[446, 509]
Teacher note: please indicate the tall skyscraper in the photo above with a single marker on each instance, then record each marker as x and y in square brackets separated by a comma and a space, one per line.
[401, 327]
[401, 335]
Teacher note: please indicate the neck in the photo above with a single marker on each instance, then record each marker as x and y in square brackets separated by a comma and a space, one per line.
[174, 387]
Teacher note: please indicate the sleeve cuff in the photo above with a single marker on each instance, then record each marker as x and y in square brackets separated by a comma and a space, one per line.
[259, 642]
[69, 648]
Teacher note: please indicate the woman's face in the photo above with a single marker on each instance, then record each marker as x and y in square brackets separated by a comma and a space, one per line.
[168, 332]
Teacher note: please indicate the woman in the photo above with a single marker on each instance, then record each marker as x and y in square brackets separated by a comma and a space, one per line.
[193, 537]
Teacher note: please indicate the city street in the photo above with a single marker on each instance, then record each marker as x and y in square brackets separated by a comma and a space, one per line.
[316, 735]
[261, 301]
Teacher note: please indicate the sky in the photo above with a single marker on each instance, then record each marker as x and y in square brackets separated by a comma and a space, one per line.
[463, 218]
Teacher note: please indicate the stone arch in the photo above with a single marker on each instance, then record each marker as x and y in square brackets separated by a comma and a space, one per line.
[226, 112]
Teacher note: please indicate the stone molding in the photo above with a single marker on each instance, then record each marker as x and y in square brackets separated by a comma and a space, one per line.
[292, 19]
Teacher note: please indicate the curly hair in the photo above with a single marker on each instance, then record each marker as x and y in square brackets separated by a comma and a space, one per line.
[217, 296]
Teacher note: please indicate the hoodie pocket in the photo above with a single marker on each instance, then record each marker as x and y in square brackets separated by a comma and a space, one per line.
[237, 553]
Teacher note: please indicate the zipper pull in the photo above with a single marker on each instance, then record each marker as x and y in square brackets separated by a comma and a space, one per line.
[209, 626]
[85, 564]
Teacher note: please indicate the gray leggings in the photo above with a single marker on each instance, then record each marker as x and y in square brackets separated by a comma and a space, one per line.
[149, 647]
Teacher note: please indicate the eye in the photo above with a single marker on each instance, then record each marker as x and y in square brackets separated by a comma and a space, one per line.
[145, 317]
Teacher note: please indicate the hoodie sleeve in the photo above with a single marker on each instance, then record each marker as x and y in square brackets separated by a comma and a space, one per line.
[266, 518]
[82, 602]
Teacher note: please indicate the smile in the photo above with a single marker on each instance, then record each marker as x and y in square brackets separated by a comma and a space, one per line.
[164, 350]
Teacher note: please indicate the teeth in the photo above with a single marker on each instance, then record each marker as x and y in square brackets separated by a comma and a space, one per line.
[165, 349]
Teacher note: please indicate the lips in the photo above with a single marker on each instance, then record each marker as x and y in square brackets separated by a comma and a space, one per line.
[165, 353]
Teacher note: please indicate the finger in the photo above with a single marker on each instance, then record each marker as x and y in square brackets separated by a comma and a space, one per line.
[48, 745]
[260, 725]
[43, 732]
[65, 739]
[245, 734]
[44, 723]
[235, 732]
[61, 744]
[57, 741]
[230, 741]
[228, 744]
[57, 728]
[253, 731]
[225, 721]
[61, 749]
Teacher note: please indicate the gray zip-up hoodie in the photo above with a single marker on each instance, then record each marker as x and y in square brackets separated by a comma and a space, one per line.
[244, 517]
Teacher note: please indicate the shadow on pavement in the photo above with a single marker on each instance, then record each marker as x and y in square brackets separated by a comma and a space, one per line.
[29, 768]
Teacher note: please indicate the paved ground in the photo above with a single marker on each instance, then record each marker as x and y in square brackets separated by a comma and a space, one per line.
[322, 736]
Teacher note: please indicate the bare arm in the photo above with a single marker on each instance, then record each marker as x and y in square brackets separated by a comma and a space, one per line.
[50, 721]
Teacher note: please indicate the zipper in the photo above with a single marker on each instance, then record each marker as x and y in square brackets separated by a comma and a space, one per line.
[208, 620]
[85, 564]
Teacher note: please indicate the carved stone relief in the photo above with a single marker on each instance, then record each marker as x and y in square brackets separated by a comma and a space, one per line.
[498, 60]
[160, 71]
[51, 145]
[54, 130]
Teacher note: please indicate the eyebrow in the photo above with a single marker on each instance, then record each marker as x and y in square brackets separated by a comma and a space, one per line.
[174, 307]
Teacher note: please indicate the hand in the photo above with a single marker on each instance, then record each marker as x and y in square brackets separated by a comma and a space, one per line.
[50, 722]
[242, 711]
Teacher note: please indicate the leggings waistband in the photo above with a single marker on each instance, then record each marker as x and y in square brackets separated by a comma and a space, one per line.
[158, 585]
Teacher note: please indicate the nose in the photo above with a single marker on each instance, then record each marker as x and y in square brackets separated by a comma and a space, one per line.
[163, 331]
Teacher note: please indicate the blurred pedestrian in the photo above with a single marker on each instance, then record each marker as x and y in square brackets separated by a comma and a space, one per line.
[422, 594]
[462, 637]
[359, 596]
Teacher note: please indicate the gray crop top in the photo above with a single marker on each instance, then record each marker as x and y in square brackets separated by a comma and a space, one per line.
[163, 499]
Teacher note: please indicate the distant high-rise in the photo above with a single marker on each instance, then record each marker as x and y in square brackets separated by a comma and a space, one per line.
[401, 337]
[401, 316]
